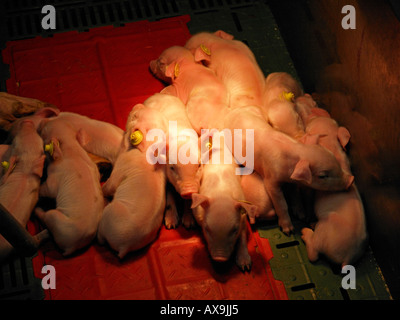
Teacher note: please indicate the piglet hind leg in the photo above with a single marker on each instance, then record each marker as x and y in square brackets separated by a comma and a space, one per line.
[171, 217]
[307, 235]
[281, 207]
[243, 259]
[63, 231]
[188, 219]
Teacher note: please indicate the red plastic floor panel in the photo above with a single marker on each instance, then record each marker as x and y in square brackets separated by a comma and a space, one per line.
[102, 74]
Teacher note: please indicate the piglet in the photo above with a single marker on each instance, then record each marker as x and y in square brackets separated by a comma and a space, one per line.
[22, 163]
[220, 207]
[317, 121]
[183, 172]
[38, 119]
[255, 193]
[13, 108]
[204, 95]
[233, 63]
[280, 159]
[73, 180]
[279, 108]
[134, 216]
[340, 233]
[97, 137]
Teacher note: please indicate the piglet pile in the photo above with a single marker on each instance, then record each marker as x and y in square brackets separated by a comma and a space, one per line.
[221, 139]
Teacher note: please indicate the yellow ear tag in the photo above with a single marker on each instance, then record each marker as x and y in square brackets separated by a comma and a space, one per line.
[49, 148]
[209, 145]
[136, 137]
[205, 49]
[5, 165]
[176, 70]
[289, 96]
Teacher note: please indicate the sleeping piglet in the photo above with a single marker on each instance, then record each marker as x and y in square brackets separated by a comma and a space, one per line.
[279, 159]
[97, 137]
[73, 180]
[317, 121]
[254, 192]
[203, 94]
[233, 63]
[134, 216]
[183, 172]
[340, 233]
[19, 186]
[278, 108]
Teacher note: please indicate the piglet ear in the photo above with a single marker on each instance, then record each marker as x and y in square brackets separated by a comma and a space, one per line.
[57, 153]
[343, 136]
[47, 112]
[82, 137]
[38, 165]
[202, 54]
[200, 200]
[223, 35]
[172, 70]
[248, 208]
[310, 139]
[133, 115]
[302, 172]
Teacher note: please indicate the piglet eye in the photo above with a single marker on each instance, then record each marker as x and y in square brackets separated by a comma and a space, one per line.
[234, 230]
[323, 176]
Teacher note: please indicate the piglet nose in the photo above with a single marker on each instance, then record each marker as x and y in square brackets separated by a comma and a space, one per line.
[27, 122]
[187, 189]
[186, 195]
[220, 259]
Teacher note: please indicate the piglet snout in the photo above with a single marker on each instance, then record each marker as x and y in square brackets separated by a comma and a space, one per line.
[27, 122]
[188, 190]
[220, 259]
